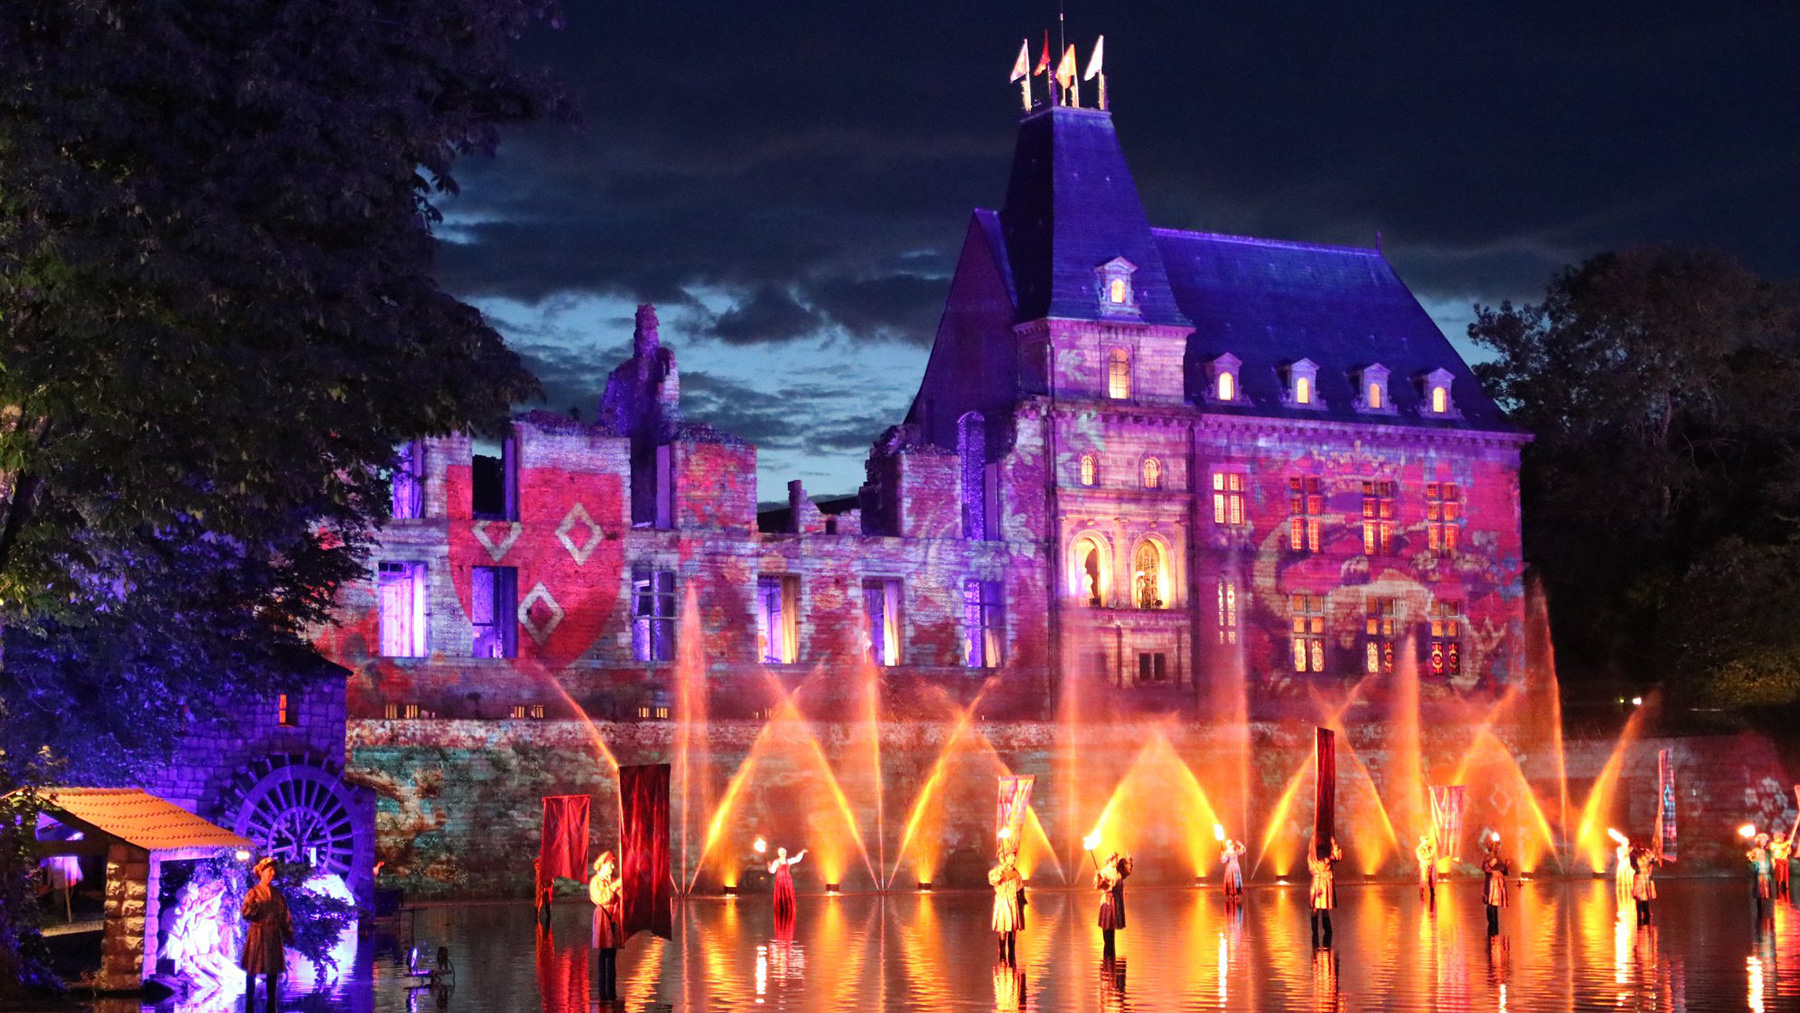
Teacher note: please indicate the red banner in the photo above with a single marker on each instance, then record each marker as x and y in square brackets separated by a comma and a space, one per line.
[644, 850]
[1665, 805]
[563, 849]
[1447, 817]
[1324, 791]
[1015, 802]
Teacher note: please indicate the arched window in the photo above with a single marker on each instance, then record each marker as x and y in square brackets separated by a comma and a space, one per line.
[1116, 291]
[1090, 571]
[1440, 400]
[1152, 473]
[1149, 577]
[1303, 390]
[1227, 387]
[1374, 394]
[1090, 469]
[1118, 374]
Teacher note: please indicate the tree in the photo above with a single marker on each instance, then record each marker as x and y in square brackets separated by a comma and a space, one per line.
[218, 318]
[1662, 387]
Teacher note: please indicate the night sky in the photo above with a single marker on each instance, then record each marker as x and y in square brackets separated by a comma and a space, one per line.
[790, 183]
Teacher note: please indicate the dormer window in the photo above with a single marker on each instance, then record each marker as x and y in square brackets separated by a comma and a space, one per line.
[1372, 389]
[1118, 374]
[1223, 385]
[1302, 385]
[1437, 395]
[1116, 295]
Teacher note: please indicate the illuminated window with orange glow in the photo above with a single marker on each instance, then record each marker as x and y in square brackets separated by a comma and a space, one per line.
[1118, 374]
[1443, 516]
[1308, 611]
[1228, 498]
[1152, 473]
[1306, 507]
[1303, 390]
[1116, 292]
[1149, 576]
[1378, 518]
[1445, 656]
[1227, 387]
[1375, 398]
[1089, 569]
[1440, 400]
[1228, 610]
[285, 714]
[1090, 469]
[1378, 636]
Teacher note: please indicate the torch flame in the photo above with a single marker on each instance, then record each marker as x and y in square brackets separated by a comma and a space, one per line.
[760, 846]
[1747, 831]
[1621, 838]
[1218, 832]
[1092, 840]
[1005, 832]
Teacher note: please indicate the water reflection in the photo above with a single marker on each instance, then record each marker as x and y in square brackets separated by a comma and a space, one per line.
[1565, 948]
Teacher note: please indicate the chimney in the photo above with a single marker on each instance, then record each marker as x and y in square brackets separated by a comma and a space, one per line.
[644, 341]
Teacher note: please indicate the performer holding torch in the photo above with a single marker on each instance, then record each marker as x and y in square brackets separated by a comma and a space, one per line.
[1780, 850]
[1493, 891]
[1643, 887]
[607, 892]
[1427, 855]
[785, 902]
[1109, 879]
[1009, 898]
[1230, 857]
[1622, 870]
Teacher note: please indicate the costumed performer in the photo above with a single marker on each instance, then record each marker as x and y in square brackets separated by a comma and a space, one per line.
[1643, 887]
[269, 932]
[1232, 857]
[1009, 897]
[785, 904]
[1427, 855]
[607, 892]
[1493, 891]
[1780, 850]
[1623, 874]
[1761, 867]
[1110, 881]
[1322, 896]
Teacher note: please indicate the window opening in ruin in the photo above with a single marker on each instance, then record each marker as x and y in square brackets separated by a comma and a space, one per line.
[1148, 577]
[1443, 515]
[1228, 498]
[409, 482]
[400, 592]
[653, 614]
[1308, 612]
[1378, 518]
[1152, 473]
[494, 480]
[1228, 611]
[1090, 469]
[778, 619]
[1445, 655]
[881, 602]
[1118, 374]
[983, 623]
[971, 450]
[1153, 666]
[1306, 505]
[1378, 636]
[493, 611]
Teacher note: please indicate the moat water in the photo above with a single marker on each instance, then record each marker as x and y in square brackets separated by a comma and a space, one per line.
[1561, 947]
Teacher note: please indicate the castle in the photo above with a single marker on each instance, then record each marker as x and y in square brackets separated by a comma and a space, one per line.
[1193, 468]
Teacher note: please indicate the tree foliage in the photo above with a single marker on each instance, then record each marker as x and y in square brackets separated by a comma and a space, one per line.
[1663, 389]
[218, 318]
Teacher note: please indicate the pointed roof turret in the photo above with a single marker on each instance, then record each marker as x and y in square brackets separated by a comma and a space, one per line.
[1071, 209]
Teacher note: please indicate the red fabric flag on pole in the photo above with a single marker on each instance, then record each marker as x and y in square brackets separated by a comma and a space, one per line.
[1015, 802]
[562, 851]
[1324, 791]
[644, 850]
[1043, 63]
[1665, 806]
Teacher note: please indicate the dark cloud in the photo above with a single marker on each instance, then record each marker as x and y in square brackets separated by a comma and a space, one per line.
[894, 307]
[768, 315]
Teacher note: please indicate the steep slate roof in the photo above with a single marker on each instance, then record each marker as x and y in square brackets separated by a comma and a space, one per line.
[1071, 206]
[140, 818]
[1270, 303]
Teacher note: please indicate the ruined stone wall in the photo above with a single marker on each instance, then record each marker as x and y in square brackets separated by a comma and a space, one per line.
[459, 801]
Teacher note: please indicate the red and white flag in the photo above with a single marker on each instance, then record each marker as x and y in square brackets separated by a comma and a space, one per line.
[1065, 71]
[1021, 66]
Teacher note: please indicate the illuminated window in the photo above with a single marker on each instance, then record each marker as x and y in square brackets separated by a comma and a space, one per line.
[1116, 292]
[881, 605]
[402, 711]
[409, 482]
[1228, 610]
[1152, 473]
[1149, 577]
[1303, 390]
[1445, 658]
[1378, 636]
[1227, 387]
[1443, 516]
[532, 711]
[661, 713]
[493, 611]
[1303, 384]
[285, 712]
[1374, 395]
[1090, 469]
[1308, 632]
[1118, 374]
[1440, 400]
[1223, 373]
[1437, 390]
[1373, 381]
[1088, 571]
[778, 619]
[401, 600]
[1113, 287]
[1378, 518]
[984, 623]
[653, 614]
[1228, 498]
[1306, 506]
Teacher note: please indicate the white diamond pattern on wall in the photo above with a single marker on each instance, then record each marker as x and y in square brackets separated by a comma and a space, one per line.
[540, 614]
[578, 516]
[496, 550]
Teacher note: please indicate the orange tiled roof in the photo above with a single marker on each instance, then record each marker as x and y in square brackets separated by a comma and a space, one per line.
[140, 818]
